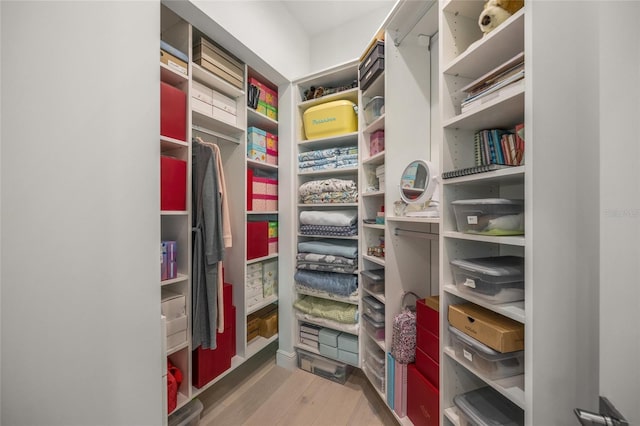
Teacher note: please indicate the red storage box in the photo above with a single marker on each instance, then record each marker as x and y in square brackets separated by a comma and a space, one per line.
[428, 342]
[423, 405]
[173, 112]
[249, 189]
[257, 239]
[427, 314]
[210, 363]
[173, 183]
[428, 367]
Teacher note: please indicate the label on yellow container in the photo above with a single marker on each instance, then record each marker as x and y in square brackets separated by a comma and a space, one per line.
[330, 119]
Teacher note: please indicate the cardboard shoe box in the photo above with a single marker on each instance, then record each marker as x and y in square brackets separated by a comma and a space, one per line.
[494, 330]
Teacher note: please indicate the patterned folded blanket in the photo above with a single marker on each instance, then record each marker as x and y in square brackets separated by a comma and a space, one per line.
[341, 312]
[345, 248]
[327, 153]
[331, 197]
[338, 231]
[340, 284]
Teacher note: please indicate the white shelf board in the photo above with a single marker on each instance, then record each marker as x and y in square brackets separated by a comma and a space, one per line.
[335, 326]
[259, 343]
[498, 46]
[330, 172]
[169, 144]
[260, 259]
[349, 95]
[174, 213]
[266, 212]
[171, 76]
[414, 219]
[511, 388]
[373, 226]
[376, 124]
[261, 121]
[261, 165]
[452, 414]
[213, 81]
[374, 259]
[178, 279]
[258, 306]
[344, 139]
[499, 112]
[508, 240]
[513, 310]
[350, 301]
[379, 296]
[374, 160]
[177, 348]
[204, 123]
[181, 402]
[509, 175]
[373, 194]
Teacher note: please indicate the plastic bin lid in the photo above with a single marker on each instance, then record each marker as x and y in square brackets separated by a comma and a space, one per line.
[374, 99]
[481, 349]
[498, 266]
[501, 201]
[374, 274]
[373, 302]
[485, 406]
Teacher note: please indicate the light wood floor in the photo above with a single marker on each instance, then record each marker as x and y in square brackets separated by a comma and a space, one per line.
[263, 394]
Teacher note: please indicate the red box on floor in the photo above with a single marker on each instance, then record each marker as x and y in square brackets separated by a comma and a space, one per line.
[230, 314]
[428, 342]
[257, 239]
[427, 314]
[173, 183]
[173, 112]
[428, 367]
[210, 363]
[423, 405]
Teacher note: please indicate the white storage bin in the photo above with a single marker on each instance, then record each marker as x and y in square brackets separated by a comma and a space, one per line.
[374, 357]
[486, 407]
[492, 364]
[376, 379]
[324, 367]
[374, 328]
[490, 216]
[497, 279]
[189, 415]
[373, 109]
[373, 280]
[372, 307]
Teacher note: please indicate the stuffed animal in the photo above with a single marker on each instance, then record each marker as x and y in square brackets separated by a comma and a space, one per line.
[496, 12]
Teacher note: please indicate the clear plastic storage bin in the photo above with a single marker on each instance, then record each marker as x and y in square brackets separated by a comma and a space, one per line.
[374, 328]
[373, 280]
[490, 216]
[323, 367]
[497, 279]
[486, 407]
[374, 357]
[376, 379]
[189, 415]
[374, 308]
[492, 364]
[373, 109]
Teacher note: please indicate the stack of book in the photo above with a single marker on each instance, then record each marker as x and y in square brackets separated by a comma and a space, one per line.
[500, 81]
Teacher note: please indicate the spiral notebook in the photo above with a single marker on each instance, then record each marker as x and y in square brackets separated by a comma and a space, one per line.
[473, 170]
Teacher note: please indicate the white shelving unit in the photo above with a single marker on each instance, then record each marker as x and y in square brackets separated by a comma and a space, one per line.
[340, 75]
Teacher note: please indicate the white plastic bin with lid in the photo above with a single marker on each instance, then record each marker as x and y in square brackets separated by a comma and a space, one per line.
[189, 415]
[498, 279]
[374, 328]
[373, 280]
[374, 308]
[373, 109]
[486, 407]
[489, 216]
[490, 363]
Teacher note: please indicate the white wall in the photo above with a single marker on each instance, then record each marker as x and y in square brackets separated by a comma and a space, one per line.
[619, 49]
[345, 42]
[265, 27]
[79, 219]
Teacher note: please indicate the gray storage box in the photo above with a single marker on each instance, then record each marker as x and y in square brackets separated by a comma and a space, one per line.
[486, 407]
[497, 279]
[374, 308]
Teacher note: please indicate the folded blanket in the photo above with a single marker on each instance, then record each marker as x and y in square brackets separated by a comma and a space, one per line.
[332, 247]
[333, 165]
[341, 312]
[308, 291]
[326, 259]
[340, 284]
[331, 197]
[327, 153]
[327, 185]
[328, 160]
[339, 269]
[338, 231]
[333, 217]
[349, 328]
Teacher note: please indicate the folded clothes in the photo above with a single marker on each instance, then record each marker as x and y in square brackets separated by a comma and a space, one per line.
[331, 282]
[333, 217]
[339, 231]
[330, 309]
[327, 153]
[327, 185]
[344, 248]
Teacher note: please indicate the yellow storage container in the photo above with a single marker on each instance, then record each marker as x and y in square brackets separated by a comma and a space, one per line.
[330, 119]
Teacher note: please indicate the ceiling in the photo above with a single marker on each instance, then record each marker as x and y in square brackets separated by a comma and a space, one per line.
[316, 16]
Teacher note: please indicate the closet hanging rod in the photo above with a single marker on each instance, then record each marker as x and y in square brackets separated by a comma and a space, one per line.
[417, 234]
[215, 134]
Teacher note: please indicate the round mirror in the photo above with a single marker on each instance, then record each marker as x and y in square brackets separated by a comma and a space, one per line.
[418, 182]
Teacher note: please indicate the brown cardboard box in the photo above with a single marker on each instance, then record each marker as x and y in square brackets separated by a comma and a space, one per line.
[494, 330]
[269, 325]
[433, 302]
[253, 327]
[219, 62]
[172, 62]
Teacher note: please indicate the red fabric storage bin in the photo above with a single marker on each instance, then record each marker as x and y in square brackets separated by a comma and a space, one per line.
[249, 189]
[173, 183]
[428, 367]
[173, 112]
[423, 405]
[257, 239]
[428, 342]
[427, 317]
[209, 364]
